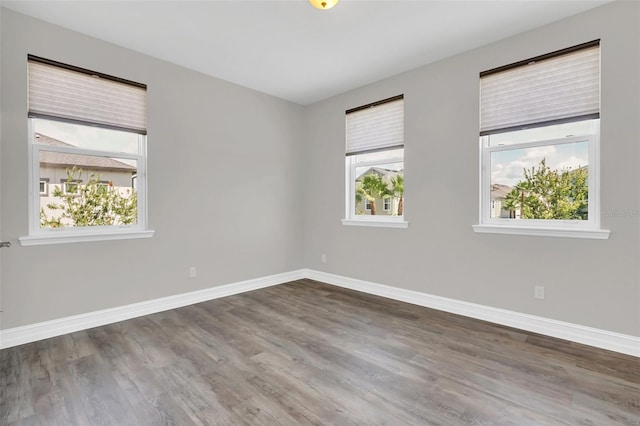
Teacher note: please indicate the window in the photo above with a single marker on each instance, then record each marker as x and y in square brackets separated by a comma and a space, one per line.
[87, 131]
[539, 143]
[386, 204]
[44, 187]
[70, 186]
[374, 164]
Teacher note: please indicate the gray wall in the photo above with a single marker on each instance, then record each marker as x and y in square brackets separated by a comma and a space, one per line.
[221, 165]
[281, 179]
[588, 282]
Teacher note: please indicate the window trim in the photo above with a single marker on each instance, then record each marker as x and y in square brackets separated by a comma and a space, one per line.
[372, 145]
[589, 228]
[351, 218]
[64, 182]
[44, 193]
[105, 234]
[387, 203]
[542, 227]
[595, 234]
[593, 216]
[376, 222]
[52, 102]
[44, 236]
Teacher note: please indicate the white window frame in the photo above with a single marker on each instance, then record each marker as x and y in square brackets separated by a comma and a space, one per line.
[387, 203]
[369, 203]
[372, 130]
[59, 92]
[383, 221]
[42, 236]
[65, 190]
[104, 184]
[521, 100]
[45, 192]
[589, 228]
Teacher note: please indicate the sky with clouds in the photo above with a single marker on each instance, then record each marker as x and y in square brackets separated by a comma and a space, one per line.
[507, 167]
[89, 137]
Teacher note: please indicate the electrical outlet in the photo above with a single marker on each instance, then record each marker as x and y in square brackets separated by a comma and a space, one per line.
[192, 272]
[323, 258]
[538, 292]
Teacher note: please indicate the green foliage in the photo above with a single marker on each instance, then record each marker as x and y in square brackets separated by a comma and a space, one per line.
[550, 194]
[397, 191]
[371, 187]
[92, 204]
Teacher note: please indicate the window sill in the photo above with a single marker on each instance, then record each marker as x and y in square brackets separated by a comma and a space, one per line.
[83, 236]
[596, 234]
[375, 223]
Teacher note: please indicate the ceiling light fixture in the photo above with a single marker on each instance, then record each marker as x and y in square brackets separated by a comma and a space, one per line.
[323, 4]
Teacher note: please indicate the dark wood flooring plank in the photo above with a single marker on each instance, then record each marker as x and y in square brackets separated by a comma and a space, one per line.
[307, 353]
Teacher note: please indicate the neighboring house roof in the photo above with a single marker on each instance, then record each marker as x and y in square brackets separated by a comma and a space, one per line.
[386, 174]
[89, 162]
[500, 191]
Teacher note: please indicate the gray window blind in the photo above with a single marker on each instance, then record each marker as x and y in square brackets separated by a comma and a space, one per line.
[551, 89]
[376, 127]
[76, 95]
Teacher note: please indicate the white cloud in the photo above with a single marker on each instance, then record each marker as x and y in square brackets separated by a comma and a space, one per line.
[507, 167]
[572, 162]
[89, 137]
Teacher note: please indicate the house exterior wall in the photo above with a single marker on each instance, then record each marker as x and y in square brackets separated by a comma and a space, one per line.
[360, 207]
[497, 209]
[55, 176]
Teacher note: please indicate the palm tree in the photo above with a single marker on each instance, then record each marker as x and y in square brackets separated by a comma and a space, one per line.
[372, 187]
[397, 191]
[512, 202]
[359, 197]
[522, 197]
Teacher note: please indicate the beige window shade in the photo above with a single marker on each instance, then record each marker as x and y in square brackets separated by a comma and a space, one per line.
[561, 88]
[57, 92]
[376, 128]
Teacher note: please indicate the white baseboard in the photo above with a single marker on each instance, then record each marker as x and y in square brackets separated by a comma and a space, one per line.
[44, 330]
[603, 339]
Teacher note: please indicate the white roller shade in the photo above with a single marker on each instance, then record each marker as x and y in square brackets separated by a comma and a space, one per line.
[376, 128]
[557, 89]
[60, 93]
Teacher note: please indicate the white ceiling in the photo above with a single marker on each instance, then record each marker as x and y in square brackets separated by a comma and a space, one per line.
[292, 51]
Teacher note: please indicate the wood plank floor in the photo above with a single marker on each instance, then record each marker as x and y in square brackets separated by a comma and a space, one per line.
[310, 353]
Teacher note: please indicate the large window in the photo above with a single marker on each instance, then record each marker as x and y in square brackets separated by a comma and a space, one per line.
[375, 164]
[539, 145]
[87, 143]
